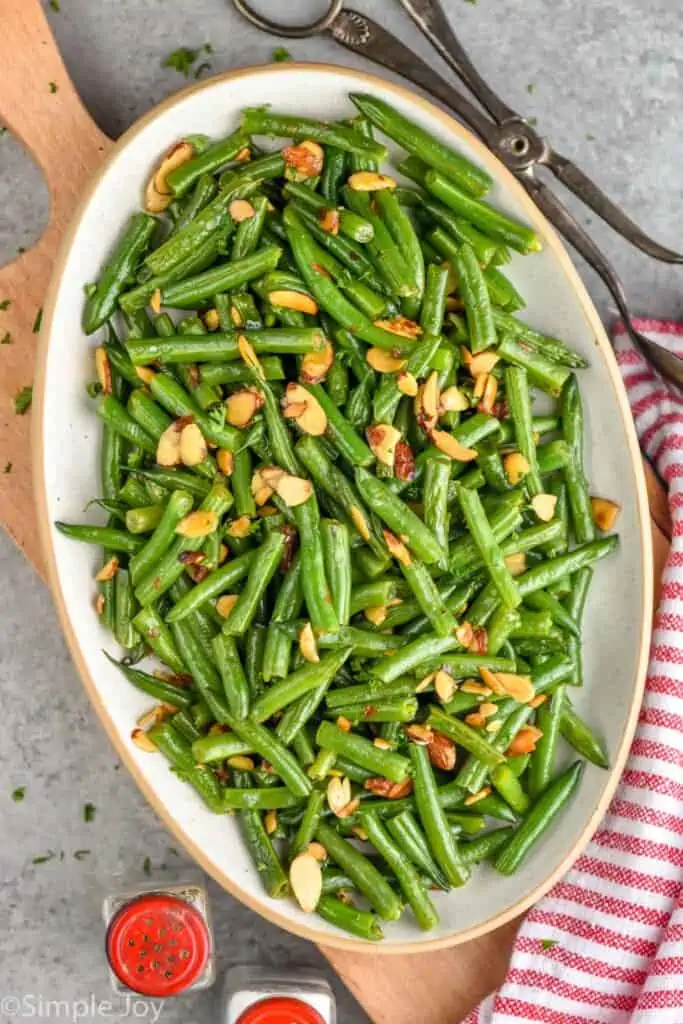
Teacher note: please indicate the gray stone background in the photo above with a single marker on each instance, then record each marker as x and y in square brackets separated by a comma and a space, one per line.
[603, 78]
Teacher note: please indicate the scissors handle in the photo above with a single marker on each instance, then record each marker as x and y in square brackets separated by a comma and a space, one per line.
[312, 28]
[364, 36]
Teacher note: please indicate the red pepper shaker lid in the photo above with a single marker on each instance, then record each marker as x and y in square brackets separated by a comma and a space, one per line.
[281, 1010]
[158, 945]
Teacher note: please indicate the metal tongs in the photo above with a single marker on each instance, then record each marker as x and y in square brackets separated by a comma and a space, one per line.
[508, 135]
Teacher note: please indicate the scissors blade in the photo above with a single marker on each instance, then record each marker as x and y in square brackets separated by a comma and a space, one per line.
[364, 36]
[581, 185]
[431, 20]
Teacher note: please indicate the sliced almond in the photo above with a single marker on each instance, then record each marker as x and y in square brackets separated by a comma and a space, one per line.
[360, 522]
[453, 400]
[442, 753]
[516, 467]
[475, 720]
[447, 444]
[476, 689]
[168, 447]
[223, 552]
[376, 614]
[383, 361]
[270, 822]
[306, 880]
[387, 789]
[444, 685]
[145, 374]
[241, 763]
[193, 448]
[108, 570]
[486, 709]
[370, 181]
[397, 548]
[240, 527]
[261, 486]
[401, 326]
[525, 741]
[544, 506]
[360, 833]
[381, 743]
[241, 210]
[226, 603]
[474, 798]
[242, 406]
[430, 397]
[178, 155]
[605, 513]
[537, 701]
[294, 300]
[155, 202]
[142, 741]
[382, 439]
[329, 221]
[246, 351]
[516, 564]
[294, 490]
[316, 365]
[425, 683]
[155, 301]
[483, 362]
[420, 734]
[479, 385]
[244, 156]
[520, 688]
[464, 634]
[225, 461]
[321, 271]
[406, 384]
[480, 641]
[100, 604]
[307, 643]
[103, 368]
[318, 851]
[212, 320]
[304, 161]
[313, 419]
[488, 398]
[338, 794]
[344, 724]
[155, 715]
[236, 316]
[350, 808]
[197, 524]
[494, 726]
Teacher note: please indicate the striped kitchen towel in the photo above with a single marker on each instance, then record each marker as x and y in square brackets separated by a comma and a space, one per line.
[606, 944]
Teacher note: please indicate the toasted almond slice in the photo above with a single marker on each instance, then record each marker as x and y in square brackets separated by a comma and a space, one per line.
[155, 301]
[177, 155]
[244, 156]
[464, 634]
[442, 753]
[406, 383]
[223, 552]
[383, 438]
[240, 210]
[294, 300]
[447, 444]
[605, 513]
[491, 680]
[444, 684]
[488, 398]
[316, 365]
[212, 320]
[360, 833]
[305, 160]
[294, 410]
[271, 475]
[475, 720]
[241, 763]
[520, 688]
[430, 396]
[360, 522]
[425, 683]
[193, 448]
[525, 741]
[294, 490]
[261, 490]
[267, 510]
[494, 726]
[168, 447]
[197, 524]
[474, 798]
[306, 880]
[108, 570]
[370, 181]
[516, 564]
[381, 743]
[307, 643]
[486, 709]
[483, 362]
[226, 603]
[145, 374]
[397, 548]
[236, 316]
[453, 400]
[479, 385]
[317, 850]
[142, 741]
[103, 368]
[246, 351]
[240, 527]
[383, 361]
[537, 701]
[338, 793]
[343, 724]
[270, 822]
[401, 326]
[242, 406]
[155, 715]
[100, 604]
[313, 420]
[350, 808]
[155, 202]
[376, 614]
[544, 506]
[329, 221]
[420, 734]
[225, 461]
[475, 688]
[516, 467]
[466, 355]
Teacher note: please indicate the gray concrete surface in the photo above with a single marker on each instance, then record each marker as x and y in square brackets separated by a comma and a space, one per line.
[603, 78]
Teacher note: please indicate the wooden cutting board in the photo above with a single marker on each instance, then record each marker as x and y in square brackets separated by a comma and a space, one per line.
[441, 987]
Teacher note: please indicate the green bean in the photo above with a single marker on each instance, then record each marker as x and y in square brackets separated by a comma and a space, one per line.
[483, 848]
[411, 839]
[340, 431]
[179, 505]
[398, 516]
[314, 581]
[278, 646]
[388, 260]
[577, 490]
[491, 221]
[357, 922]
[259, 121]
[202, 194]
[551, 377]
[260, 846]
[463, 553]
[362, 752]
[579, 736]
[367, 693]
[350, 223]
[231, 671]
[337, 558]
[422, 144]
[179, 752]
[217, 582]
[391, 709]
[338, 255]
[372, 595]
[465, 736]
[519, 402]
[435, 491]
[224, 345]
[153, 687]
[169, 393]
[119, 271]
[428, 597]
[191, 291]
[211, 160]
[549, 347]
[501, 291]
[261, 571]
[476, 298]
[413, 655]
[408, 878]
[143, 520]
[362, 872]
[440, 839]
[172, 479]
[158, 638]
[489, 549]
[311, 676]
[334, 174]
[538, 819]
[104, 536]
[273, 799]
[115, 416]
[267, 745]
[548, 721]
[510, 788]
[452, 231]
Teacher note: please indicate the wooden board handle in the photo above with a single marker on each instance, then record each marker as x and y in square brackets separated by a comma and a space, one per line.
[68, 147]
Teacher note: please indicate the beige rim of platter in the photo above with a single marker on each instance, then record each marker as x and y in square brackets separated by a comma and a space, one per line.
[553, 242]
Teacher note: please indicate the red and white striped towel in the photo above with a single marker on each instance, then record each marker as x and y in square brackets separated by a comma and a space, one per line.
[617, 917]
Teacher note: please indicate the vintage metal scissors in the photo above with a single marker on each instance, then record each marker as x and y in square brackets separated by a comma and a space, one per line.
[508, 135]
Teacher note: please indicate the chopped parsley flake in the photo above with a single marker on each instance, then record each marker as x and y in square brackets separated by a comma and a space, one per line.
[38, 321]
[548, 943]
[5, 304]
[183, 59]
[147, 866]
[8, 467]
[281, 54]
[53, 87]
[20, 792]
[89, 812]
[81, 854]
[22, 400]
[44, 857]
[6, 339]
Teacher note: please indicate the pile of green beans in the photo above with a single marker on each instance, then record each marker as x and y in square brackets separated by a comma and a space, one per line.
[359, 601]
